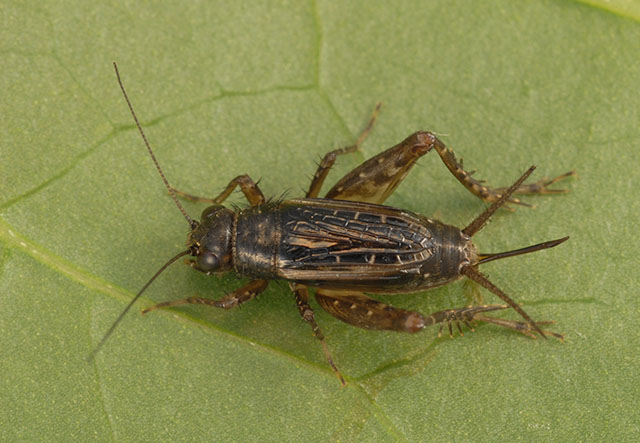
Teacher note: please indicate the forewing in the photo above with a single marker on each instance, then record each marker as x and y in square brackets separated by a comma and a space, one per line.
[336, 240]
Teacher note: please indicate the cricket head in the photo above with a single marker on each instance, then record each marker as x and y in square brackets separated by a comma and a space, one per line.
[210, 240]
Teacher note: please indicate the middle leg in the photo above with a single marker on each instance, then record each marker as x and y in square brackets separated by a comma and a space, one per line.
[302, 301]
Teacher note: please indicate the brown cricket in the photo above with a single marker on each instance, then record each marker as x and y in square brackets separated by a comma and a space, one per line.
[347, 245]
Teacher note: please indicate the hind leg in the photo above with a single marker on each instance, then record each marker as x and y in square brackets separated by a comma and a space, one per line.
[362, 311]
[488, 194]
[376, 179]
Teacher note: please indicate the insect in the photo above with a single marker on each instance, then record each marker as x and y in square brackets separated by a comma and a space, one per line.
[347, 245]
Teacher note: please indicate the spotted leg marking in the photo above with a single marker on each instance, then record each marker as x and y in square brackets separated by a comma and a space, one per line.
[362, 311]
[375, 179]
[359, 310]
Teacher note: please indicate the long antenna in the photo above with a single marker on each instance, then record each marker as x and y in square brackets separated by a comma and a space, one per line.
[480, 220]
[153, 157]
[123, 313]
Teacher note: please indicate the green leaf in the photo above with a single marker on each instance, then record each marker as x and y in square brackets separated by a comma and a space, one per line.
[265, 89]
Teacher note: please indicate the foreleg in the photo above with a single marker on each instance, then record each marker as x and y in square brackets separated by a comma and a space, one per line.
[236, 298]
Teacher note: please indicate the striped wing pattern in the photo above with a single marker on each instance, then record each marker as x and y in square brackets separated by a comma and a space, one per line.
[348, 238]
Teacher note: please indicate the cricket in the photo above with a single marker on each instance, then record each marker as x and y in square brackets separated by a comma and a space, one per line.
[347, 245]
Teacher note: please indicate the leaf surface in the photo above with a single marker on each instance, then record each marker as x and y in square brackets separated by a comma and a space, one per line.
[228, 88]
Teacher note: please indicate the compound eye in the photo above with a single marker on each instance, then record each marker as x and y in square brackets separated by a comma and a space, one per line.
[208, 261]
